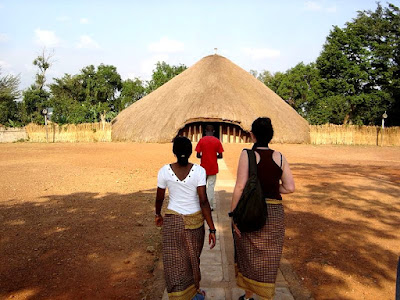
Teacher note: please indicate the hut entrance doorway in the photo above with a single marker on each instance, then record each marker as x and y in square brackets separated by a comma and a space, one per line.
[224, 131]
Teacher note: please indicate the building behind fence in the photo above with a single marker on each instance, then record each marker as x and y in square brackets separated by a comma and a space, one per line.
[101, 132]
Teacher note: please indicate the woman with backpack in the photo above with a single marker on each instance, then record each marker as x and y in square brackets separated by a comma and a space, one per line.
[183, 222]
[258, 253]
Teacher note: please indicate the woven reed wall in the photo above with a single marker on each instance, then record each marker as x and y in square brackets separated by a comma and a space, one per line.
[354, 135]
[87, 132]
[320, 134]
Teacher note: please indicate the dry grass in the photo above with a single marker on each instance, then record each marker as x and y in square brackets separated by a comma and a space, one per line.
[88, 132]
[212, 90]
[354, 135]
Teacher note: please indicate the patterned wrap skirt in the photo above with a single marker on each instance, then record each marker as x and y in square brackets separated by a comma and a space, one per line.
[258, 253]
[182, 240]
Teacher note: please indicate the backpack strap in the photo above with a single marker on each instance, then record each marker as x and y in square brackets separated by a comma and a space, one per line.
[252, 162]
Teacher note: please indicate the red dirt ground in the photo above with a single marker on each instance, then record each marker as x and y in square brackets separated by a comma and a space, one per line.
[77, 220]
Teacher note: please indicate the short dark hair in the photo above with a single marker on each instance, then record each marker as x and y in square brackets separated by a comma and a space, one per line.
[182, 148]
[209, 128]
[263, 131]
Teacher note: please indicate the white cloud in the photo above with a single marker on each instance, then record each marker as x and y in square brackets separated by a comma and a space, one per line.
[261, 53]
[86, 42]
[63, 19]
[4, 64]
[166, 45]
[84, 21]
[317, 6]
[313, 6]
[47, 38]
[3, 37]
[148, 65]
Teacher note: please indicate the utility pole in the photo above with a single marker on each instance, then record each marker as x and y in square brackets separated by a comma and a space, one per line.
[384, 116]
[44, 112]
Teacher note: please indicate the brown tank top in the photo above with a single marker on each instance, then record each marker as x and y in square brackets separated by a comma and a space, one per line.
[269, 174]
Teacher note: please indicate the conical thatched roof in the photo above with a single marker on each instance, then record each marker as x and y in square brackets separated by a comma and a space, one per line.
[213, 89]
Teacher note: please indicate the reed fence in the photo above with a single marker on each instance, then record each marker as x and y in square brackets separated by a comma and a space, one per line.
[354, 135]
[101, 132]
[87, 132]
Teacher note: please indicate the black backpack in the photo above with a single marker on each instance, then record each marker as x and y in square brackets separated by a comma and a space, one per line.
[250, 213]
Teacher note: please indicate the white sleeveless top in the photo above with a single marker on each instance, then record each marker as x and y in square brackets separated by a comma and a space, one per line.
[183, 197]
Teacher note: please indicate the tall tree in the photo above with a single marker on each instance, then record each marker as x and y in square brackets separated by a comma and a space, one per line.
[359, 67]
[43, 63]
[132, 91]
[162, 74]
[9, 93]
[36, 97]
[89, 96]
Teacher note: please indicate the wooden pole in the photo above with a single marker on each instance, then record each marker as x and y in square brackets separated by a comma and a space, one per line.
[194, 133]
[190, 133]
[220, 133]
[234, 134]
[228, 134]
[200, 132]
[47, 132]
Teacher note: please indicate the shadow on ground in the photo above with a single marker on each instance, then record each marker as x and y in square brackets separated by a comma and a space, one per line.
[79, 246]
[345, 224]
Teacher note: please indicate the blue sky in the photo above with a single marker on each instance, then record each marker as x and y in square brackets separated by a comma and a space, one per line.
[134, 35]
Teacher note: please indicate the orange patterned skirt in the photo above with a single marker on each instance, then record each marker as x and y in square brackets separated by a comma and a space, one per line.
[258, 253]
[182, 239]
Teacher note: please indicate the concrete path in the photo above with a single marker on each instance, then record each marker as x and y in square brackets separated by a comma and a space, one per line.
[217, 265]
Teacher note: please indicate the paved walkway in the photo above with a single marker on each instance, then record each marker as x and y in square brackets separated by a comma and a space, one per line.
[217, 265]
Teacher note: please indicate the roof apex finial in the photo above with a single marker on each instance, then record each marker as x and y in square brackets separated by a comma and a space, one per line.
[215, 51]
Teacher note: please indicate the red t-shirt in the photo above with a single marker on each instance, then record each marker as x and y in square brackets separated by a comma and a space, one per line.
[209, 146]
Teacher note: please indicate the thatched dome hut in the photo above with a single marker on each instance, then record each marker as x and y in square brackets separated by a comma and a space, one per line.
[213, 91]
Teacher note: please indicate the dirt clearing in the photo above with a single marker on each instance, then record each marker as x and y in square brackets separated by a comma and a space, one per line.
[77, 219]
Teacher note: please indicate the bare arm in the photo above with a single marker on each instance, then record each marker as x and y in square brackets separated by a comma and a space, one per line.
[159, 202]
[206, 210]
[241, 179]
[287, 186]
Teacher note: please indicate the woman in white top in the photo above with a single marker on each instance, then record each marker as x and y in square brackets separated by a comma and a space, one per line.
[183, 222]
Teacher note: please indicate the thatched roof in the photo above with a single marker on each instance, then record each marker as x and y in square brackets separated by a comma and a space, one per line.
[214, 89]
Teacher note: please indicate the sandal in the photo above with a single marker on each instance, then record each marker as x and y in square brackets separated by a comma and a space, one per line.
[201, 295]
[243, 298]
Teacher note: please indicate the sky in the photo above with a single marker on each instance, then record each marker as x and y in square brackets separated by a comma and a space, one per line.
[134, 35]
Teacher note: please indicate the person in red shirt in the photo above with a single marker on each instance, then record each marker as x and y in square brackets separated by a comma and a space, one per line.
[209, 149]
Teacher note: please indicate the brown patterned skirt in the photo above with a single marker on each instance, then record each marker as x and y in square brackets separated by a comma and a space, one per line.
[182, 245]
[258, 253]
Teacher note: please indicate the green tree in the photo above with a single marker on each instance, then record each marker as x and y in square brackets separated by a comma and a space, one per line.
[298, 86]
[43, 63]
[162, 74]
[34, 101]
[36, 97]
[132, 91]
[264, 76]
[359, 68]
[9, 93]
[89, 96]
